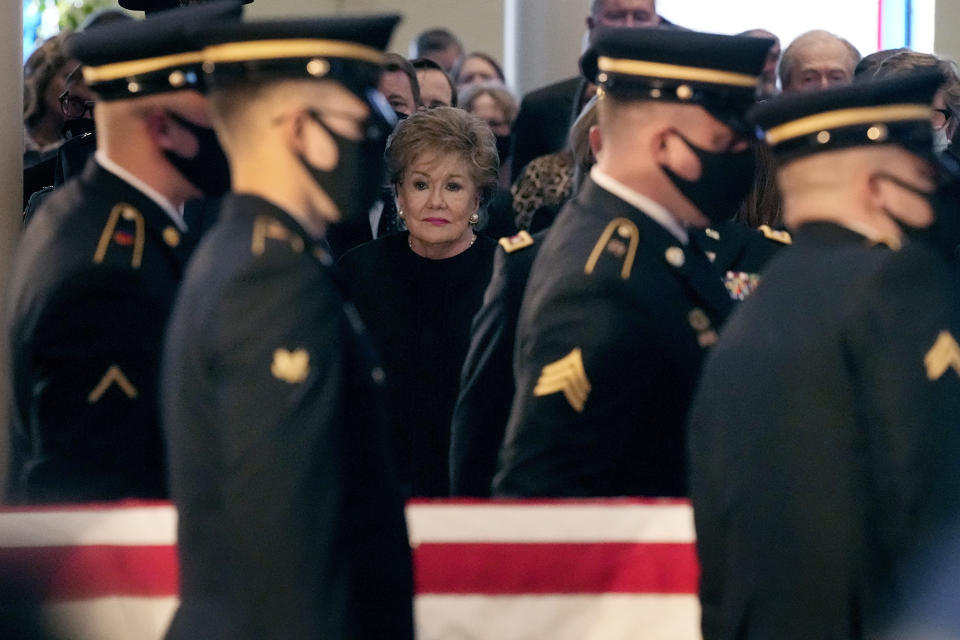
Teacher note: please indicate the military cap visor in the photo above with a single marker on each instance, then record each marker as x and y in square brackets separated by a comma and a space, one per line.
[136, 58]
[348, 50]
[719, 73]
[157, 5]
[891, 110]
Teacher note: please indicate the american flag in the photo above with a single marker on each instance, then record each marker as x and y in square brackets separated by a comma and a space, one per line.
[485, 570]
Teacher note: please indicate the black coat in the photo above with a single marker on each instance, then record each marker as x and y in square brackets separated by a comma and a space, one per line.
[291, 524]
[92, 285]
[613, 326]
[486, 382]
[419, 312]
[543, 122]
[824, 438]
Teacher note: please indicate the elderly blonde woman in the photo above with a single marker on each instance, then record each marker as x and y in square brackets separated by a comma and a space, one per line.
[418, 291]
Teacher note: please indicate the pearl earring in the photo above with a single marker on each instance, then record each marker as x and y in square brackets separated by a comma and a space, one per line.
[400, 213]
[475, 218]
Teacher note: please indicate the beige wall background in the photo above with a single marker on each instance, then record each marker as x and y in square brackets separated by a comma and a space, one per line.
[479, 24]
[547, 33]
[946, 38]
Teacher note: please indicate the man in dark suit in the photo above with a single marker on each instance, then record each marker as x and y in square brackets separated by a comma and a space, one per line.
[621, 304]
[829, 466]
[291, 521]
[546, 114]
[98, 267]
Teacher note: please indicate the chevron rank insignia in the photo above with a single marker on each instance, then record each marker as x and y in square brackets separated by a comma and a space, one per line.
[943, 355]
[514, 243]
[741, 284]
[566, 375]
[113, 376]
[783, 237]
[292, 367]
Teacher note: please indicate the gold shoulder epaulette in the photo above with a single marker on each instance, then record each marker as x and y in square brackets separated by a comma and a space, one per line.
[125, 228]
[623, 246]
[514, 243]
[783, 237]
[266, 228]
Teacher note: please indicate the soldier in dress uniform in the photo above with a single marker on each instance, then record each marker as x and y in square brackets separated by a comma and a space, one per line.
[291, 521]
[831, 461]
[621, 304]
[97, 269]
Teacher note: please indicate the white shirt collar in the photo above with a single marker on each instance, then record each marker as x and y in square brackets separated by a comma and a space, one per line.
[175, 214]
[652, 209]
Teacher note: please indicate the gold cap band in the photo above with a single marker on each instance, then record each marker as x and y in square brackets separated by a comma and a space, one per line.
[129, 68]
[300, 48]
[847, 118]
[675, 72]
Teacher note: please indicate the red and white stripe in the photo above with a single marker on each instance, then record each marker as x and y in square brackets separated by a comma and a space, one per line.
[485, 570]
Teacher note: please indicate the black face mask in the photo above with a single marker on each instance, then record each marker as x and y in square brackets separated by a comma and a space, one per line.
[725, 180]
[503, 148]
[354, 183]
[76, 127]
[208, 169]
[944, 233]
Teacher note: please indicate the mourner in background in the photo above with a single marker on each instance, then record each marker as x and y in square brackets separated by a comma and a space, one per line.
[291, 522]
[98, 267]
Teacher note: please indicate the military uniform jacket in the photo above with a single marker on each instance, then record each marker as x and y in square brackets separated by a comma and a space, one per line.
[93, 282]
[614, 323]
[824, 439]
[486, 383]
[291, 523]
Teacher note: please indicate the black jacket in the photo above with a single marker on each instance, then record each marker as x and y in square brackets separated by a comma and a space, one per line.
[824, 439]
[291, 524]
[543, 122]
[93, 282]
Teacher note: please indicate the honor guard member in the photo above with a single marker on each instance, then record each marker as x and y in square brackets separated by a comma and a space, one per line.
[833, 460]
[486, 382]
[621, 306]
[97, 268]
[291, 521]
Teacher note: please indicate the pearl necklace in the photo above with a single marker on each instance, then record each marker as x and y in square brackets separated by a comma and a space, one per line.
[410, 242]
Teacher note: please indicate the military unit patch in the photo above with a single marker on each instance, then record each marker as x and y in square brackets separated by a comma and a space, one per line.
[567, 375]
[741, 284]
[514, 243]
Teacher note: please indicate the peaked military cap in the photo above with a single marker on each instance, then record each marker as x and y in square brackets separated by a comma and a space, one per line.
[891, 110]
[152, 6]
[720, 73]
[138, 58]
[348, 50]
